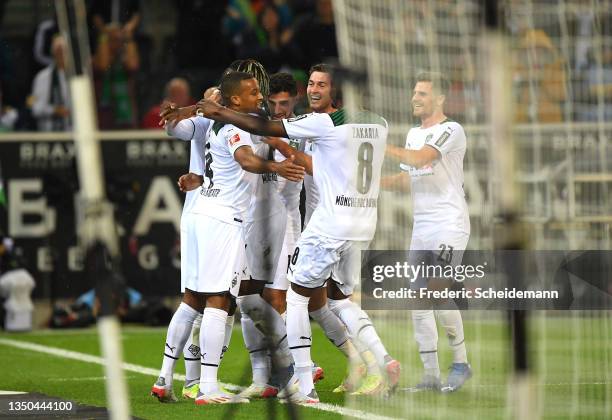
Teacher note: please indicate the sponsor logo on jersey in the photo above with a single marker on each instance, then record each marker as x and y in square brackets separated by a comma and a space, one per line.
[269, 177]
[422, 171]
[234, 139]
[342, 200]
[299, 117]
[210, 192]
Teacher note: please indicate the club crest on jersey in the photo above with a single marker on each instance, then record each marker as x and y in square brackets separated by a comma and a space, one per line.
[429, 137]
[234, 139]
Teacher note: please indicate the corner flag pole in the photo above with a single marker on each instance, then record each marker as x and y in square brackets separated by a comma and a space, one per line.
[96, 226]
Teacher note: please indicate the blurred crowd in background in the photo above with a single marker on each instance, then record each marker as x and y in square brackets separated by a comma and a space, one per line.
[147, 51]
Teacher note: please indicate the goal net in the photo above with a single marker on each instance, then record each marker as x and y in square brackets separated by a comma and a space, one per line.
[559, 57]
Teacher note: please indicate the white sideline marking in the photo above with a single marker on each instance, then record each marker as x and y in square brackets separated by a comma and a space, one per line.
[83, 357]
[85, 378]
[11, 393]
[412, 389]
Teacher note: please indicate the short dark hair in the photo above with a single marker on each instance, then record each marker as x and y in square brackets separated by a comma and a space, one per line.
[437, 80]
[230, 84]
[283, 82]
[323, 68]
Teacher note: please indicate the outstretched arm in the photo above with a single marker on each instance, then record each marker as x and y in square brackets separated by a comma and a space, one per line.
[415, 158]
[250, 162]
[250, 123]
[300, 158]
[171, 114]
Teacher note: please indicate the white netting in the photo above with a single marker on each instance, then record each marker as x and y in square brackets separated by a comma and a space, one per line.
[560, 53]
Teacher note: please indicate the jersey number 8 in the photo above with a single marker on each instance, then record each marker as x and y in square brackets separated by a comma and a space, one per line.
[365, 156]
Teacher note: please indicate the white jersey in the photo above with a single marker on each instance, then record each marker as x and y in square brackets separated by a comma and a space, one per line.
[227, 188]
[290, 195]
[312, 194]
[288, 190]
[266, 200]
[347, 160]
[437, 189]
[196, 130]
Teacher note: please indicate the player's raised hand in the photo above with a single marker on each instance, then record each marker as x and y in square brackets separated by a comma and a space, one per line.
[171, 114]
[189, 182]
[288, 169]
[207, 107]
[213, 93]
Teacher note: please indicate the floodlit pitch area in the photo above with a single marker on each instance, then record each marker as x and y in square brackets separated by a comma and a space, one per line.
[571, 356]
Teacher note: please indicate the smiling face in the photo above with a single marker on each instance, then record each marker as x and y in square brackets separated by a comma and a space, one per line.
[281, 105]
[249, 98]
[319, 92]
[425, 100]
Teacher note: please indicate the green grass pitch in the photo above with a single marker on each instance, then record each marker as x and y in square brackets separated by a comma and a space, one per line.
[571, 357]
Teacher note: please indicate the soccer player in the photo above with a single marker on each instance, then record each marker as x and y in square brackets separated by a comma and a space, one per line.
[432, 161]
[263, 328]
[214, 226]
[281, 102]
[348, 155]
[183, 331]
[196, 131]
[364, 377]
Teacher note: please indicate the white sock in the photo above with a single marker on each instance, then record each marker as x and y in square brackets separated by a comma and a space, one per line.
[426, 336]
[178, 333]
[191, 353]
[229, 326]
[255, 343]
[370, 362]
[453, 324]
[332, 326]
[299, 335]
[365, 355]
[212, 335]
[268, 321]
[359, 325]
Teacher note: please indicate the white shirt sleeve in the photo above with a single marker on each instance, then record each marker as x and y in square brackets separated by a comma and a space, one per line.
[403, 167]
[236, 138]
[193, 128]
[40, 92]
[196, 157]
[313, 126]
[451, 139]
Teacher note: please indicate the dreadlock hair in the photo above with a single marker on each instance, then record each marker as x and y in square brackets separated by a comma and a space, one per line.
[255, 69]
